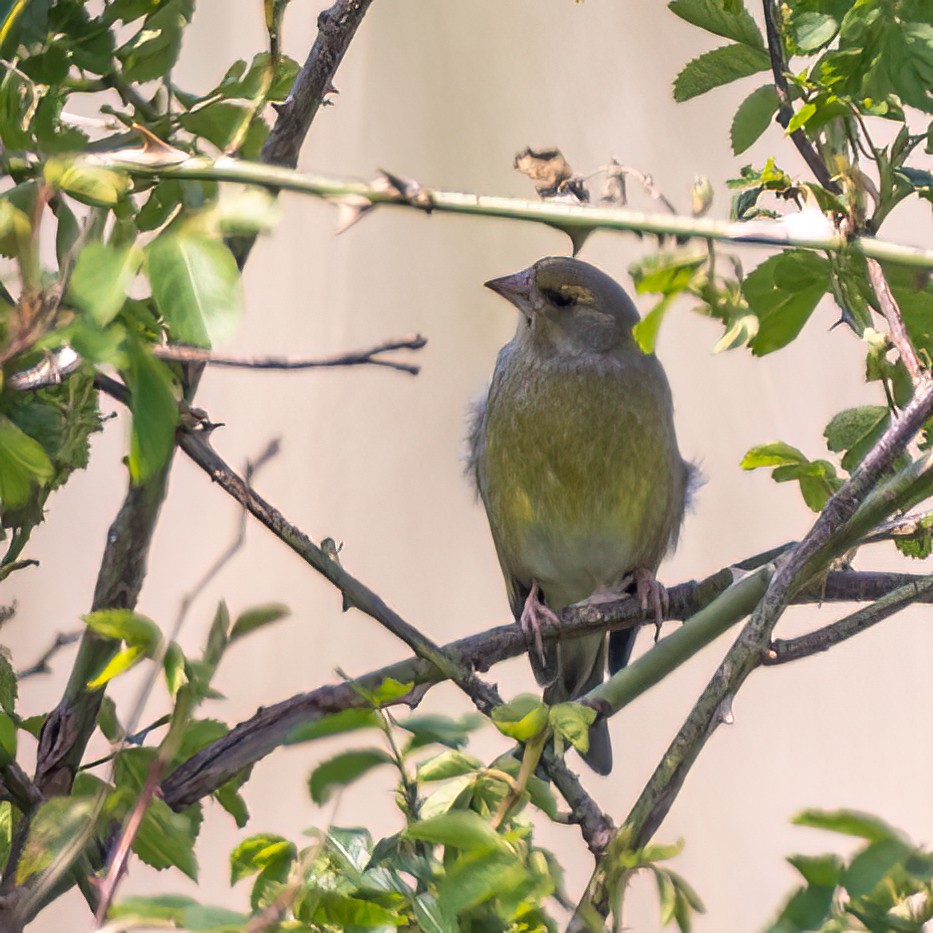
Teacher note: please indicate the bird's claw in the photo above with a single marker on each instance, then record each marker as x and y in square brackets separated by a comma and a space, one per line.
[651, 594]
[533, 613]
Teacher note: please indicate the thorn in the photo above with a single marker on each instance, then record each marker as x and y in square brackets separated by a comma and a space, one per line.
[350, 209]
[407, 189]
[725, 712]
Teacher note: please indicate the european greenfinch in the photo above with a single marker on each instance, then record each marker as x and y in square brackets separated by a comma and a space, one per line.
[575, 457]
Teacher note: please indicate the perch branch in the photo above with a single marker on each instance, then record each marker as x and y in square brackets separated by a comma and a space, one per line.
[257, 737]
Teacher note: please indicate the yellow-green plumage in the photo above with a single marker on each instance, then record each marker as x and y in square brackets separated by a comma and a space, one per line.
[576, 460]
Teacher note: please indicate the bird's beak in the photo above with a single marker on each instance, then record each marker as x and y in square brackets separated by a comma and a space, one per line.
[516, 288]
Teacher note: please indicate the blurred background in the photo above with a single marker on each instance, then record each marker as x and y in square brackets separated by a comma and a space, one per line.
[447, 93]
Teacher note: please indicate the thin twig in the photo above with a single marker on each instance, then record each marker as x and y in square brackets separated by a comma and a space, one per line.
[892, 314]
[118, 861]
[793, 649]
[41, 666]
[371, 356]
[786, 110]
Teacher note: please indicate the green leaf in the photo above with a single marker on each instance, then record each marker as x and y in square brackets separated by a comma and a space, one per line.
[8, 685]
[646, 330]
[812, 29]
[818, 870]
[774, 454]
[432, 917]
[122, 661]
[173, 665]
[256, 853]
[817, 478]
[668, 273]
[182, 912]
[166, 839]
[347, 720]
[218, 123]
[807, 909]
[855, 430]
[101, 279]
[572, 721]
[335, 910]
[196, 287]
[229, 798]
[715, 17]
[89, 184]
[850, 823]
[155, 413]
[449, 763]
[53, 828]
[389, 690]
[7, 739]
[718, 67]
[754, 116]
[782, 292]
[522, 719]
[873, 864]
[23, 465]
[256, 618]
[343, 769]
[154, 49]
[477, 878]
[459, 829]
[124, 625]
[440, 730]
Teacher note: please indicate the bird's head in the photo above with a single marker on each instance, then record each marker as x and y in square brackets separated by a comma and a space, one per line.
[569, 306]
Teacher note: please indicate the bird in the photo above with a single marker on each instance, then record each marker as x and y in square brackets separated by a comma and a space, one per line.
[574, 454]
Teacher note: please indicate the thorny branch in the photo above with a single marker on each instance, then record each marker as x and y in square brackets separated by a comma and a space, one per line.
[575, 220]
[856, 499]
[892, 314]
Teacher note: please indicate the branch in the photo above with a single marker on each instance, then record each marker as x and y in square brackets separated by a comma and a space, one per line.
[892, 314]
[41, 666]
[572, 219]
[784, 650]
[786, 110]
[336, 28]
[849, 512]
[69, 726]
[372, 356]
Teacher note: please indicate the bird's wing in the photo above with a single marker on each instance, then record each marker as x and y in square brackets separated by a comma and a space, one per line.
[545, 672]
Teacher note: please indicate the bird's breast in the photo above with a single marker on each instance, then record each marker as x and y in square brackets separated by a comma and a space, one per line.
[579, 472]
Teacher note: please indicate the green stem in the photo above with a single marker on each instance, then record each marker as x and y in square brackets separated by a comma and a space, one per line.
[570, 218]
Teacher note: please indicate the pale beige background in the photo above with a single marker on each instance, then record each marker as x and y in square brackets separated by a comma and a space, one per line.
[447, 92]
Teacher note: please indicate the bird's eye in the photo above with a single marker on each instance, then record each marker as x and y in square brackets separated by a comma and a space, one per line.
[559, 298]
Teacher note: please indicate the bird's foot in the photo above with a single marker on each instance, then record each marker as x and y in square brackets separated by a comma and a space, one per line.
[533, 614]
[651, 594]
